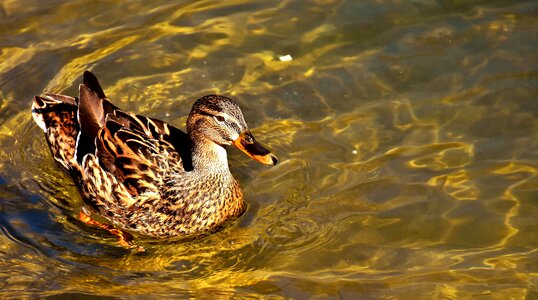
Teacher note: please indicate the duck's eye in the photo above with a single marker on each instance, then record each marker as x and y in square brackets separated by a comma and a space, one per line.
[219, 118]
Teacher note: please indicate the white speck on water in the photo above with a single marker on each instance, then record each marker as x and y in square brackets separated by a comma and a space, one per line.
[286, 57]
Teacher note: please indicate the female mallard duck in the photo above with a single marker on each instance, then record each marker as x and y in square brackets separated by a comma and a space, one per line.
[143, 175]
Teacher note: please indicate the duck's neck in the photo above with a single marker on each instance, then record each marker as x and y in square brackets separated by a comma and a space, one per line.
[209, 158]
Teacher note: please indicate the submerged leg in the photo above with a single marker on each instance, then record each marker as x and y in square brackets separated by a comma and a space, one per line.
[125, 238]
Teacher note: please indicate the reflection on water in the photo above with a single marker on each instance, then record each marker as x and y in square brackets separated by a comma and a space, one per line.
[406, 133]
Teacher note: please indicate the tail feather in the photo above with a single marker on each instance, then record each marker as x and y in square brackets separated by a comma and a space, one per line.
[91, 117]
[56, 116]
[92, 109]
[89, 80]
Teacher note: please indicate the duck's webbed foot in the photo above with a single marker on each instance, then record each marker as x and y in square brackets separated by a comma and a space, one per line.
[125, 239]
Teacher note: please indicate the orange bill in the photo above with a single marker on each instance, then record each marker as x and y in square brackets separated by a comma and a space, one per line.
[246, 143]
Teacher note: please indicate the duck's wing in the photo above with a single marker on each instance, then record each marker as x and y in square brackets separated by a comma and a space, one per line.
[94, 108]
[158, 130]
[138, 151]
[136, 159]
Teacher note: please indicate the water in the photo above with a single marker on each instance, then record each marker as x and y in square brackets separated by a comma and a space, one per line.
[406, 132]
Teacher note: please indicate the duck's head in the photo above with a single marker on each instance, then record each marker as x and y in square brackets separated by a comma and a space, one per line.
[220, 120]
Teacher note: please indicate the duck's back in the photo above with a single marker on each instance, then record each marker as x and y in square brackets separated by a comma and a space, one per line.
[71, 138]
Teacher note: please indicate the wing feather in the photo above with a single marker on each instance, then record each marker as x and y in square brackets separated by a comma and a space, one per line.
[138, 160]
[137, 151]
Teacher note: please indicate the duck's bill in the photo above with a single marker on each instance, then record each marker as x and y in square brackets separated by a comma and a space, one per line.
[246, 143]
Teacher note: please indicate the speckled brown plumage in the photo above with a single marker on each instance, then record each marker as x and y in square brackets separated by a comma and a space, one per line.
[143, 175]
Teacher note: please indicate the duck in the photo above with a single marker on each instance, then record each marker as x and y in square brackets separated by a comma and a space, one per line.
[142, 175]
